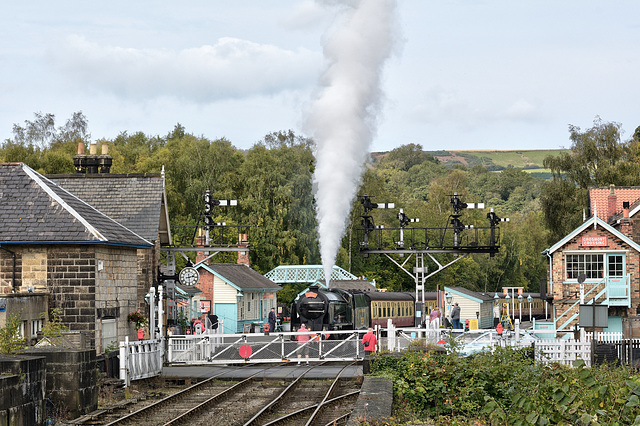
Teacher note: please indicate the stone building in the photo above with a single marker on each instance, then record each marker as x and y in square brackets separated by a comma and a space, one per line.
[604, 254]
[53, 242]
[138, 201]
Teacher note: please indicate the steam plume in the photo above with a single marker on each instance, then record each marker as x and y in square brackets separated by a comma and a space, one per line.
[343, 118]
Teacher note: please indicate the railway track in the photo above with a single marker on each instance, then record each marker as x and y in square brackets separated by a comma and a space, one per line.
[252, 401]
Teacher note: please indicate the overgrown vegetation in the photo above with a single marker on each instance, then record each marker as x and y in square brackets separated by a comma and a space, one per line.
[54, 327]
[10, 339]
[507, 388]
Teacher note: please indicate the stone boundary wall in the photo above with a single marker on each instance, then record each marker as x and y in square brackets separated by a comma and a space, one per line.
[71, 379]
[22, 390]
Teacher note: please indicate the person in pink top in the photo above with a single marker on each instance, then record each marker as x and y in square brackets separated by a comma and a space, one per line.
[302, 340]
[369, 341]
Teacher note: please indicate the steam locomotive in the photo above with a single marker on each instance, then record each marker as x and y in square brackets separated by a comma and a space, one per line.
[337, 309]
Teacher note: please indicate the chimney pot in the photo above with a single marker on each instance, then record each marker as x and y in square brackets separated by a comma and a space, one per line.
[93, 149]
[105, 149]
[80, 148]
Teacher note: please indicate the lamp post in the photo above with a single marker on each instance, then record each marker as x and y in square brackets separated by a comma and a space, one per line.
[520, 309]
[529, 299]
[449, 298]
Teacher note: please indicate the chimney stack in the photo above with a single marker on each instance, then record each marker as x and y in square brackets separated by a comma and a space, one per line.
[92, 163]
[243, 256]
[612, 203]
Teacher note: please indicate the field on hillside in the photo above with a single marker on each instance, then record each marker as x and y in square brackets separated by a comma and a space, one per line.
[498, 160]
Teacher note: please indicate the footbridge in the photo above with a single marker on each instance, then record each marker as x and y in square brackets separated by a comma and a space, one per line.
[306, 274]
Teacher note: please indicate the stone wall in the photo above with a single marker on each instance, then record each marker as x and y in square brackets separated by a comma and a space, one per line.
[30, 307]
[7, 271]
[71, 381]
[72, 283]
[22, 390]
[116, 288]
[87, 282]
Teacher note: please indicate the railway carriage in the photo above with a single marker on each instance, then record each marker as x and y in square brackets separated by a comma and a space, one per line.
[337, 309]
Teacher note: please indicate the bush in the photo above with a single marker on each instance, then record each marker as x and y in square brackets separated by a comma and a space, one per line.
[506, 387]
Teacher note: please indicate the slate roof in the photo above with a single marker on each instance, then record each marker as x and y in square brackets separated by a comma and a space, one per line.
[359, 285]
[34, 210]
[135, 200]
[485, 297]
[241, 276]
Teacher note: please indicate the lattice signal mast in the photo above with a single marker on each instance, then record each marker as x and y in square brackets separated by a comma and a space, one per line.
[404, 221]
[456, 224]
[209, 203]
[367, 220]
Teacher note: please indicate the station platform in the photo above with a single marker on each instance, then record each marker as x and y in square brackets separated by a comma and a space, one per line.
[269, 371]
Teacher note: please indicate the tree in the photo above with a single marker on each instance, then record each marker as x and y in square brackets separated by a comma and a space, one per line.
[277, 201]
[597, 157]
[10, 339]
[45, 148]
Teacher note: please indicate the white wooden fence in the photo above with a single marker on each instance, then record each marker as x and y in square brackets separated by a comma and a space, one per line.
[140, 359]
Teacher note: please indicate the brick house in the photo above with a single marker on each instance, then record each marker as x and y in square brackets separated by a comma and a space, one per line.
[604, 251]
[53, 242]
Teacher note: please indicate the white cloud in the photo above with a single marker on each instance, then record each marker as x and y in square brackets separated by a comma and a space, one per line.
[521, 110]
[231, 68]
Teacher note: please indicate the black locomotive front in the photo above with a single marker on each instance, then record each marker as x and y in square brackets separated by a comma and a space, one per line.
[321, 310]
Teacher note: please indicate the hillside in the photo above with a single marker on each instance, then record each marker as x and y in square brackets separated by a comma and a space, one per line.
[528, 160]
[496, 160]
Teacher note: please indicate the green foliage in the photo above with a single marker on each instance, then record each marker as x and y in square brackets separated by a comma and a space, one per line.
[598, 157]
[10, 339]
[506, 387]
[272, 182]
[112, 347]
[54, 327]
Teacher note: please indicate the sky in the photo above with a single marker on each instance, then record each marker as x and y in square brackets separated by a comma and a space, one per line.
[463, 75]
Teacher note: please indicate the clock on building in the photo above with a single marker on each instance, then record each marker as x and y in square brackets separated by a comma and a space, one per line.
[189, 276]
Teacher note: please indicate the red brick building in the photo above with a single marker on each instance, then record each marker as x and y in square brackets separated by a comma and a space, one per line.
[604, 251]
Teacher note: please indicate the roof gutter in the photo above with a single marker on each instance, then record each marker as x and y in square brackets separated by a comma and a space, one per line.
[13, 276]
[102, 243]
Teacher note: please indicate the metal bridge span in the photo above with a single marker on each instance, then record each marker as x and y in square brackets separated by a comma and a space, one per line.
[306, 274]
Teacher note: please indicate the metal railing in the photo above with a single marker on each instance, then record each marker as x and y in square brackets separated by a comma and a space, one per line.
[265, 348]
[141, 359]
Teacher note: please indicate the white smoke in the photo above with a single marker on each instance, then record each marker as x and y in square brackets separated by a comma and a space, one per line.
[343, 118]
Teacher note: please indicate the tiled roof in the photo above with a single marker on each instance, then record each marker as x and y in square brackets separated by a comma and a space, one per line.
[242, 276]
[35, 210]
[599, 199]
[134, 200]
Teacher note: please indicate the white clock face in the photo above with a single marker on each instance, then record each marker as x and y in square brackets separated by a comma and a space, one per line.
[189, 276]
